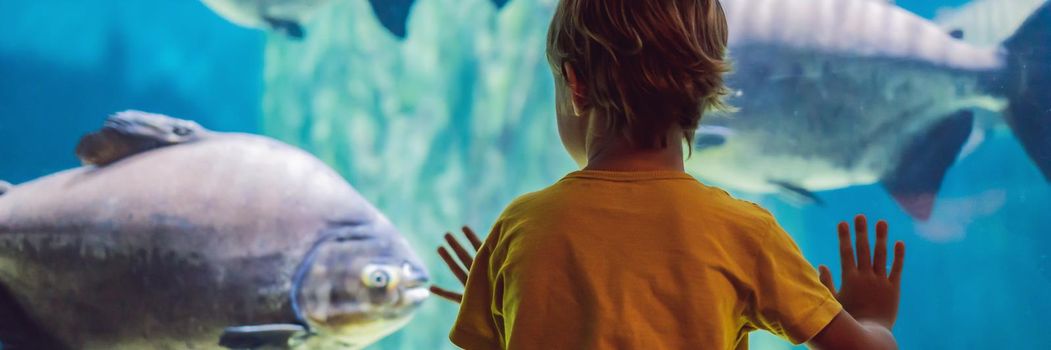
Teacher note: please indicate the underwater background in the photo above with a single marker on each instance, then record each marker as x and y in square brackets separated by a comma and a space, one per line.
[446, 126]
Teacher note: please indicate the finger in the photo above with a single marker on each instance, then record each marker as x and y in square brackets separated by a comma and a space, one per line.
[447, 295]
[826, 278]
[879, 255]
[846, 252]
[899, 263]
[461, 253]
[453, 266]
[861, 243]
[473, 238]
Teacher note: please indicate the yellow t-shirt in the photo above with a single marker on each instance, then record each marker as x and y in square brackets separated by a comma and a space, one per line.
[637, 260]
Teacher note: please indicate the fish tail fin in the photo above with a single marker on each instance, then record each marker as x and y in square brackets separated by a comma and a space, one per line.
[1028, 86]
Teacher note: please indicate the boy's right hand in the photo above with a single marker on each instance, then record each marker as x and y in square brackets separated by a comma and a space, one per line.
[459, 269]
[867, 292]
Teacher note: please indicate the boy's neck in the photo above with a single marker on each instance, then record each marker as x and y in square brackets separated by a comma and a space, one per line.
[618, 154]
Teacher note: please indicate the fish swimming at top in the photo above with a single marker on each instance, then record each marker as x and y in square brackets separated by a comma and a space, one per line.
[289, 16]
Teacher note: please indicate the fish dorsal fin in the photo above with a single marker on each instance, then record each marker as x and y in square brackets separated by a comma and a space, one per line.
[131, 132]
[500, 3]
[393, 15]
[914, 182]
[103, 147]
[710, 136]
[279, 336]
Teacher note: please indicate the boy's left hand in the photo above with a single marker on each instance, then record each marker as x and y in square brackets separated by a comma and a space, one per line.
[459, 269]
[866, 290]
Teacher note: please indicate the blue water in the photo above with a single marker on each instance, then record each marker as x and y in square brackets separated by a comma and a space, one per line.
[435, 144]
[65, 65]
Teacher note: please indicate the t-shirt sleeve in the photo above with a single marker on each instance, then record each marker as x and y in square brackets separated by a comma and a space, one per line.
[789, 299]
[476, 324]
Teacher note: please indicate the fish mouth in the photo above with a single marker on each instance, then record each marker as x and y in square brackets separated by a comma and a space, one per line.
[417, 285]
[345, 318]
[412, 292]
[416, 295]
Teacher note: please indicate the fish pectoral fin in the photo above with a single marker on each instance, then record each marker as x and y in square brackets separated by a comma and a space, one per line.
[705, 141]
[797, 194]
[914, 182]
[259, 336]
[710, 136]
[288, 27]
[956, 34]
[18, 330]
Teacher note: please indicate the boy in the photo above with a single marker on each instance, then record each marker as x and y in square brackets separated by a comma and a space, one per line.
[633, 253]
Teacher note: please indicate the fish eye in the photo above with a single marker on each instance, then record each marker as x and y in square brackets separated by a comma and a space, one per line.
[181, 131]
[378, 279]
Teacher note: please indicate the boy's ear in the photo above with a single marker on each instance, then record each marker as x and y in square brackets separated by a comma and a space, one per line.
[579, 90]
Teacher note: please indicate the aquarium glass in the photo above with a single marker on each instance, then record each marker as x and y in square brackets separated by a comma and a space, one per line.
[447, 124]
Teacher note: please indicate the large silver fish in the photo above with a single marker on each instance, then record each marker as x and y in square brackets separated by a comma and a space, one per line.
[835, 93]
[177, 238]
